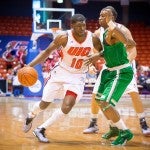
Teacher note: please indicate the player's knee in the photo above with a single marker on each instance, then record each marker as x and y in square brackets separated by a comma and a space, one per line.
[104, 105]
[66, 109]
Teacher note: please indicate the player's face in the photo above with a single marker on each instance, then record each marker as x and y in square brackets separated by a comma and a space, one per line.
[105, 13]
[79, 28]
[102, 18]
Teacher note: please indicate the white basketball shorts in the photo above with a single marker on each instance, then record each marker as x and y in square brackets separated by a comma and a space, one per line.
[62, 80]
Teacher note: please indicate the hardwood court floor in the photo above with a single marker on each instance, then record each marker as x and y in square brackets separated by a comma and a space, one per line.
[65, 134]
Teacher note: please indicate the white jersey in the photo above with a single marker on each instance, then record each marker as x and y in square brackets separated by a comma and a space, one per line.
[69, 74]
[101, 34]
[74, 53]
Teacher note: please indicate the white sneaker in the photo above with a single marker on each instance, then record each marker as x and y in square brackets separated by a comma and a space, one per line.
[146, 131]
[91, 129]
[40, 134]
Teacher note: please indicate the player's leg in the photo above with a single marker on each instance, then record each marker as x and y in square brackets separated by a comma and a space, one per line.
[93, 127]
[71, 94]
[39, 132]
[110, 97]
[132, 90]
[36, 109]
[68, 103]
[51, 91]
[48, 96]
[138, 106]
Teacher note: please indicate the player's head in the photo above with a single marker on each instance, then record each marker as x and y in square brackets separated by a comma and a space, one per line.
[114, 12]
[77, 18]
[78, 24]
[103, 14]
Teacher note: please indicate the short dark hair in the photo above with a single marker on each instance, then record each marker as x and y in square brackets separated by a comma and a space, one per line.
[114, 12]
[77, 17]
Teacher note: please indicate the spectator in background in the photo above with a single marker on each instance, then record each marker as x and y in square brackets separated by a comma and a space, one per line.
[49, 64]
[143, 79]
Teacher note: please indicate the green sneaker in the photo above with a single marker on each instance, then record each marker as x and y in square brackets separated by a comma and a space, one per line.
[124, 136]
[114, 131]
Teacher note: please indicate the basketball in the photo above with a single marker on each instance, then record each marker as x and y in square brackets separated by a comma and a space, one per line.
[27, 76]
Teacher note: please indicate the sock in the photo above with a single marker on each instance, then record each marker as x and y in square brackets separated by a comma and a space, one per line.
[55, 116]
[35, 110]
[121, 125]
[94, 120]
[94, 116]
[111, 123]
[141, 115]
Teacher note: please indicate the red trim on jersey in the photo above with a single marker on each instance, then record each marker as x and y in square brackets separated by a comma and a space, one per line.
[71, 93]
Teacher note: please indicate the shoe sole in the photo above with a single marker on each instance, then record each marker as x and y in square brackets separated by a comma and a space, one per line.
[38, 138]
[25, 130]
[124, 143]
[95, 132]
[109, 137]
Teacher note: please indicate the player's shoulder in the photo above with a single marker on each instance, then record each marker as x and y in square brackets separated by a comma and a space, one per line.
[122, 27]
[61, 39]
[61, 35]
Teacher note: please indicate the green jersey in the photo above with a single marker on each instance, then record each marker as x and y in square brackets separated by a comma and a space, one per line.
[114, 55]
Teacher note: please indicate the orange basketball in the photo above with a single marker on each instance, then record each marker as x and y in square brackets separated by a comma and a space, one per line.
[27, 76]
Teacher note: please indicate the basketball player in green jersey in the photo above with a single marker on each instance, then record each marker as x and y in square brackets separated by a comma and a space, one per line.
[132, 90]
[118, 74]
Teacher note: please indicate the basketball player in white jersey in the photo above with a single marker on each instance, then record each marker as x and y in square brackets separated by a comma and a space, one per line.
[132, 90]
[68, 77]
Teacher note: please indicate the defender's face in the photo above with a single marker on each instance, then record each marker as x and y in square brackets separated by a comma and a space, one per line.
[105, 13]
[79, 28]
[102, 18]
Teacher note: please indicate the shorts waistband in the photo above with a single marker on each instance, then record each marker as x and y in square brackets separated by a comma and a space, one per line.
[119, 67]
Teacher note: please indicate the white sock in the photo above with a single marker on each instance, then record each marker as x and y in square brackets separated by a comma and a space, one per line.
[111, 123]
[121, 125]
[35, 110]
[55, 115]
[141, 115]
[94, 116]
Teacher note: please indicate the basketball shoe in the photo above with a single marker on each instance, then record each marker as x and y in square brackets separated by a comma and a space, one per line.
[144, 127]
[40, 134]
[123, 137]
[28, 124]
[92, 128]
[114, 131]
